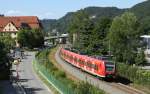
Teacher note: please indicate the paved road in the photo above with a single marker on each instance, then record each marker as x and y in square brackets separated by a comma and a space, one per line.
[85, 77]
[28, 79]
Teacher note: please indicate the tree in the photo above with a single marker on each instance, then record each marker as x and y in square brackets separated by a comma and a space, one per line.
[4, 60]
[98, 44]
[124, 37]
[140, 58]
[3, 53]
[145, 25]
[80, 31]
[30, 38]
[7, 41]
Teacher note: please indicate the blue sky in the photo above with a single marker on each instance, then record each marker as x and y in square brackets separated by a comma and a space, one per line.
[55, 9]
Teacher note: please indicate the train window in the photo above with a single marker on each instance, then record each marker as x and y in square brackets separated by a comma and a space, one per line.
[75, 59]
[81, 62]
[93, 66]
[86, 63]
[96, 67]
[89, 64]
[109, 68]
[71, 57]
[66, 55]
[109, 65]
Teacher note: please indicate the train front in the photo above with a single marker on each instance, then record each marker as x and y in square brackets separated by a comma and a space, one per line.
[110, 69]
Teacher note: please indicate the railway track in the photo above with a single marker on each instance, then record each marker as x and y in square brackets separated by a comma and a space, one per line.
[109, 87]
[126, 88]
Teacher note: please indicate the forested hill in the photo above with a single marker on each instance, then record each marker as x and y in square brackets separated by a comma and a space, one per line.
[103, 11]
[62, 23]
[141, 10]
[48, 24]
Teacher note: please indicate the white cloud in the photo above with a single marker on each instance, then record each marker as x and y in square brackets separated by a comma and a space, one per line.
[46, 15]
[41, 15]
[13, 13]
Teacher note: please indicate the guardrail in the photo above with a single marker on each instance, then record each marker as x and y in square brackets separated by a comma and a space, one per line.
[60, 87]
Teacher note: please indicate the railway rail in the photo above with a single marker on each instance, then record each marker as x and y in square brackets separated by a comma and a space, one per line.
[126, 88]
[108, 87]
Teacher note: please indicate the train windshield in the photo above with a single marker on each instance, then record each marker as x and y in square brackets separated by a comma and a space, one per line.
[109, 65]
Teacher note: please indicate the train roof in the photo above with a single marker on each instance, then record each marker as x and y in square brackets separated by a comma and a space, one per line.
[84, 56]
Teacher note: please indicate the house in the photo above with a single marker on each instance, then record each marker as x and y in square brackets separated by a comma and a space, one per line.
[146, 42]
[12, 24]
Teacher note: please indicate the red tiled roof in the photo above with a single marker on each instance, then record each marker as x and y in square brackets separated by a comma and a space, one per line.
[32, 21]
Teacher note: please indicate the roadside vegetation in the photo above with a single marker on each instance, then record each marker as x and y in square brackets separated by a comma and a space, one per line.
[33, 38]
[135, 75]
[6, 43]
[66, 84]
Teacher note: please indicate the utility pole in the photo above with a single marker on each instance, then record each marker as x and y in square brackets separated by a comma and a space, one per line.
[109, 48]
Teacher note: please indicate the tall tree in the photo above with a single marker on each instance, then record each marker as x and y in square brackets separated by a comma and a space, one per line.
[8, 41]
[4, 62]
[80, 31]
[140, 58]
[145, 25]
[98, 44]
[124, 36]
[31, 38]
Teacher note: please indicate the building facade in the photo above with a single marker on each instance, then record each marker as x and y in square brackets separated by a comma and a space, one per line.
[13, 24]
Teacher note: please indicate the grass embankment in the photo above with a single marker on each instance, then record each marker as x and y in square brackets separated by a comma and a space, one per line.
[71, 85]
[53, 60]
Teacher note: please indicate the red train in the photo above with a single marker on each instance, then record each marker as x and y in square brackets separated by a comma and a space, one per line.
[100, 68]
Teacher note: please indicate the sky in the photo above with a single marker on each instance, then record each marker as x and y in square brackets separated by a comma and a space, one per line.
[55, 9]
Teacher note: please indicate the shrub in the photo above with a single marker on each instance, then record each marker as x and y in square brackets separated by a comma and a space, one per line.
[134, 74]
[86, 88]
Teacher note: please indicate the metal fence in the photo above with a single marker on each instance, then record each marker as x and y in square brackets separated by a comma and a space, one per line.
[61, 87]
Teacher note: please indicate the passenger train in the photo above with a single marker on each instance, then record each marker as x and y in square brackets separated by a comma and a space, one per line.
[98, 67]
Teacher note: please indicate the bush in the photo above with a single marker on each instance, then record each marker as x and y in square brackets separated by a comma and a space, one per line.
[86, 88]
[134, 74]
[60, 74]
[30, 38]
